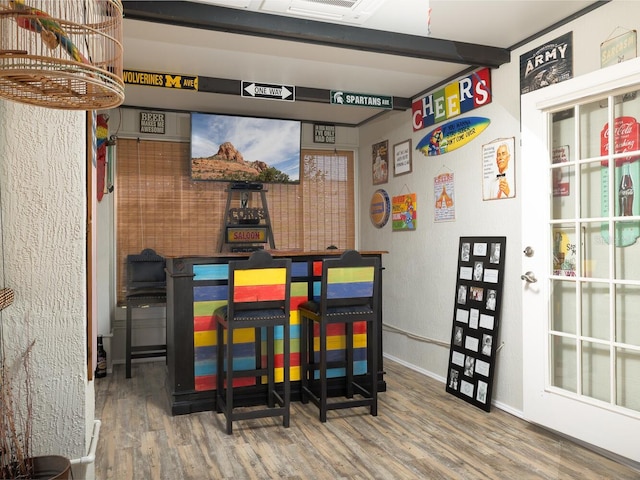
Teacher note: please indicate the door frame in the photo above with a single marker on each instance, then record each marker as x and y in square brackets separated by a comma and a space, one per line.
[543, 404]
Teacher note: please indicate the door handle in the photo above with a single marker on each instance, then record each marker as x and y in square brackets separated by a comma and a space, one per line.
[529, 277]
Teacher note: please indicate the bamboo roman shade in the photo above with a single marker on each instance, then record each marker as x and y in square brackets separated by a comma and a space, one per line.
[160, 207]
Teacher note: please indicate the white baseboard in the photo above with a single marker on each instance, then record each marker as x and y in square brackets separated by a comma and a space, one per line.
[507, 408]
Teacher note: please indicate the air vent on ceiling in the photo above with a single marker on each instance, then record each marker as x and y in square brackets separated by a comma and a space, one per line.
[341, 11]
[335, 3]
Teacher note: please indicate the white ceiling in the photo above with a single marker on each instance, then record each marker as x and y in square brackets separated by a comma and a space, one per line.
[169, 48]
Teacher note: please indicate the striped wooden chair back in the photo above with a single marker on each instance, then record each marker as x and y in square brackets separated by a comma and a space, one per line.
[350, 281]
[260, 283]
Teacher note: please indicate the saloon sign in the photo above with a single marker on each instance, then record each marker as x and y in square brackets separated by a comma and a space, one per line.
[458, 97]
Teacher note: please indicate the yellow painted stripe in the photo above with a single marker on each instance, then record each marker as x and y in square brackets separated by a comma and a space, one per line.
[265, 276]
[294, 374]
[349, 275]
[208, 338]
[338, 342]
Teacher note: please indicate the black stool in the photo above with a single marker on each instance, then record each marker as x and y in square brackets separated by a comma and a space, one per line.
[349, 294]
[259, 296]
[146, 286]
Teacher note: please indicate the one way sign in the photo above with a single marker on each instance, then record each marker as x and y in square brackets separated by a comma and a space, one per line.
[269, 91]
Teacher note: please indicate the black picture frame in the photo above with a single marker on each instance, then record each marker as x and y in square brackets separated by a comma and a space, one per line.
[476, 319]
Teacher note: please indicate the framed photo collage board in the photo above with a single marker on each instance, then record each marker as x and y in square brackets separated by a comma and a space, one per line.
[476, 319]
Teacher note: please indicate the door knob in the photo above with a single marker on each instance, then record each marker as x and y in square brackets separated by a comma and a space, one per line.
[528, 252]
[529, 277]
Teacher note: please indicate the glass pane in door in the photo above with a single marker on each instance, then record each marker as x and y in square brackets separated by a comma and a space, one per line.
[627, 326]
[595, 310]
[563, 183]
[563, 362]
[594, 338]
[596, 371]
[627, 374]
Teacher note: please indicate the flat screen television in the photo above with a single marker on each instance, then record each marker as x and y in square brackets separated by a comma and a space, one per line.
[231, 148]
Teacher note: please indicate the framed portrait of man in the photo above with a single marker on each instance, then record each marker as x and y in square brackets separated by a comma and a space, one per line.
[498, 169]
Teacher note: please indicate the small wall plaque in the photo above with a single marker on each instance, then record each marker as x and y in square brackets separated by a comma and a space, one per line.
[152, 122]
[324, 133]
[618, 49]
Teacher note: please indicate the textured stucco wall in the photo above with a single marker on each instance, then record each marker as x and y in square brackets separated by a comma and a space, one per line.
[43, 204]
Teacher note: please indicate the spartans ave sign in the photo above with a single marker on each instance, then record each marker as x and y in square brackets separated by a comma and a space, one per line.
[458, 97]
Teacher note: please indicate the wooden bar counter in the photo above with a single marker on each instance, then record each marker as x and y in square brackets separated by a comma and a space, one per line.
[196, 286]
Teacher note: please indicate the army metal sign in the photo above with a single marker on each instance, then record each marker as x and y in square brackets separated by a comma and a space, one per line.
[551, 63]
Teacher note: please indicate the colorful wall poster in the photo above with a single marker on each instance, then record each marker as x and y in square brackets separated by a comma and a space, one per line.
[564, 253]
[443, 190]
[404, 214]
[380, 162]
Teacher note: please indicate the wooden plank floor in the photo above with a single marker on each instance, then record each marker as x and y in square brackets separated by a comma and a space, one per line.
[421, 432]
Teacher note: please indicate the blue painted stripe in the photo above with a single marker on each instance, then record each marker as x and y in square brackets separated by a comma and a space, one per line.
[211, 272]
[206, 367]
[299, 269]
[210, 293]
[349, 290]
[359, 368]
[359, 355]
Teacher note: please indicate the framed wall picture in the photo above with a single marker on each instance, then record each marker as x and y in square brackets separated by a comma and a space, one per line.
[476, 318]
[380, 162]
[498, 169]
[402, 158]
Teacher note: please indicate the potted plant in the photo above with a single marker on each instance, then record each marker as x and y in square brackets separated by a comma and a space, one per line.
[16, 418]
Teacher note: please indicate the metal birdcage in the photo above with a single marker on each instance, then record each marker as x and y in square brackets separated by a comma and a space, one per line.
[64, 54]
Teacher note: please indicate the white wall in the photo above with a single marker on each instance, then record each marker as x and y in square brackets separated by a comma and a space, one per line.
[43, 201]
[420, 270]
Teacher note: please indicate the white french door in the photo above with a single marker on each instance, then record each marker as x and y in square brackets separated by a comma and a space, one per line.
[581, 275]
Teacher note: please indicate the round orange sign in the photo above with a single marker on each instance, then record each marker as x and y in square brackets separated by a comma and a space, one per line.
[380, 208]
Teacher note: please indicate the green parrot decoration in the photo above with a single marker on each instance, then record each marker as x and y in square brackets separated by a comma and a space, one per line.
[51, 32]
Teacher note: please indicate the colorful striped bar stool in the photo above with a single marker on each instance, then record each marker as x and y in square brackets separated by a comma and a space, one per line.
[349, 294]
[259, 297]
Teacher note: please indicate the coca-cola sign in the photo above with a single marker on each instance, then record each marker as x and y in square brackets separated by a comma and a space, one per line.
[626, 139]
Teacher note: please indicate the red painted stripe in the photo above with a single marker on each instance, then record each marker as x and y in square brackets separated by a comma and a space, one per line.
[294, 360]
[256, 293]
[204, 324]
[208, 382]
[296, 301]
[317, 269]
[338, 328]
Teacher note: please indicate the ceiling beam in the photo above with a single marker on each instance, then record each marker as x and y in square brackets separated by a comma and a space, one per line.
[243, 22]
[227, 86]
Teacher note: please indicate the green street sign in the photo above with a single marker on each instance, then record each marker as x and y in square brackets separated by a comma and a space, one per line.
[339, 97]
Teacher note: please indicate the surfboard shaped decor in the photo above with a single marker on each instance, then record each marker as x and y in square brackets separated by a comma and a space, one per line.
[452, 135]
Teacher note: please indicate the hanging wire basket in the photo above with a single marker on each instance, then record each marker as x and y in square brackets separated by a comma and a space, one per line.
[64, 54]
